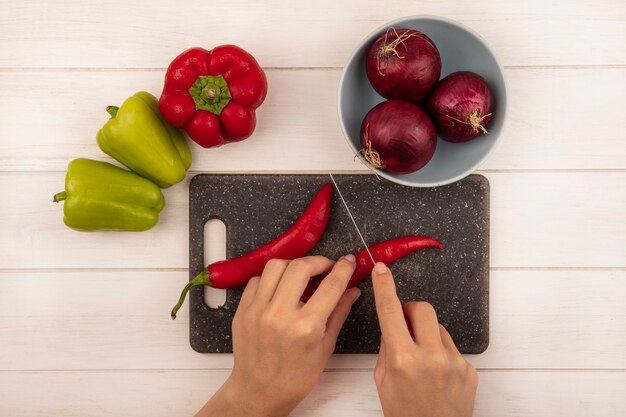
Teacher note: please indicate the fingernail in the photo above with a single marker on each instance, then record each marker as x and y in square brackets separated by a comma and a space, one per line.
[380, 268]
[350, 258]
[356, 295]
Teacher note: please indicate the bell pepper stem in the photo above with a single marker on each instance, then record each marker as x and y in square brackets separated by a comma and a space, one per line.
[59, 196]
[201, 279]
[112, 110]
[210, 93]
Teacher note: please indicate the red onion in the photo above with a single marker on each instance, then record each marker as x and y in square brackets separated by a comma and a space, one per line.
[461, 106]
[398, 137]
[403, 64]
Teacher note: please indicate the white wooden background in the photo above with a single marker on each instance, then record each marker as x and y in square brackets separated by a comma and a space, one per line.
[84, 323]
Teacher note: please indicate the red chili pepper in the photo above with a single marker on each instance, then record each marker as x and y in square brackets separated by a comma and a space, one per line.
[294, 243]
[213, 94]
[386, 252]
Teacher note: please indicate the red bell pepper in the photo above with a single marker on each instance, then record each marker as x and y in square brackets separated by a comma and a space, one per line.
[213, 94]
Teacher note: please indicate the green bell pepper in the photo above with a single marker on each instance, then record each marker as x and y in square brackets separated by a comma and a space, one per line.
[140, 138]
[102, 196]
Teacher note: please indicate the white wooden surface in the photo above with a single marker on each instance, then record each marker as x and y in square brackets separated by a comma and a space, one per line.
[84, 326]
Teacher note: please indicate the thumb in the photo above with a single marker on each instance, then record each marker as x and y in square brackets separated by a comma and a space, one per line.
[338, 317]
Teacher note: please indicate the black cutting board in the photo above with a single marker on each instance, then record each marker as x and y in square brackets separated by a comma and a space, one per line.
[257, 208]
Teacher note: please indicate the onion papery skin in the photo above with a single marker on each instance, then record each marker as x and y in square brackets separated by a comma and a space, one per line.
[403, 64]
[461, 106]
[398, 137]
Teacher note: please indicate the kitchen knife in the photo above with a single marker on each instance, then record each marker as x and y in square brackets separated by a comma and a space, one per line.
[351, 217]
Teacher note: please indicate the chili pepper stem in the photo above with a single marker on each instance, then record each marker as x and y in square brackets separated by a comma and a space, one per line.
[59, 196]
[201, 279]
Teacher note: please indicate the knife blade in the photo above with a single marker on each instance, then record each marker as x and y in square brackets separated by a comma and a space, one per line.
[343, 200]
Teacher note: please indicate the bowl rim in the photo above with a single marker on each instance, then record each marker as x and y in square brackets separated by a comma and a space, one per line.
[385, 174]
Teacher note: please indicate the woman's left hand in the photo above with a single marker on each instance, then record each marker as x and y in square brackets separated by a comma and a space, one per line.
[280, 344]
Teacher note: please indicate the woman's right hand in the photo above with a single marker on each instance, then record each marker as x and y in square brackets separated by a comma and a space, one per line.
[419, 371]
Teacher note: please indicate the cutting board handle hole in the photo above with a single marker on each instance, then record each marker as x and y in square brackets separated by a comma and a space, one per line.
[214, 250]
